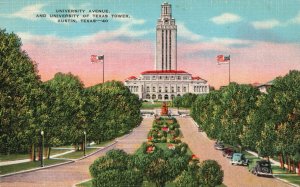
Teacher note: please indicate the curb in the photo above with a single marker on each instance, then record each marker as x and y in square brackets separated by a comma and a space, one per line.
[55, 165]
[74, 185]
[71, 161]
[285, 181]
[96, 151]
[35, 169]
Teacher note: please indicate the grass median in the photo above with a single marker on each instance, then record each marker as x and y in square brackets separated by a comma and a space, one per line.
[78, 154]
[27, 165]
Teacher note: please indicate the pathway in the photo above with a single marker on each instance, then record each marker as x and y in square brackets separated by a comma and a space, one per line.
[69, 174]
[234, 176]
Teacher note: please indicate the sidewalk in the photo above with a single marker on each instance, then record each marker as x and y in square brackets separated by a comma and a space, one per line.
[5, 163]
[76, 171]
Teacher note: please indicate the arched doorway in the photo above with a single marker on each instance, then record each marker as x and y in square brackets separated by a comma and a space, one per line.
[166, 97]
[153, 96]
[172, 96]
[159, 97]
[148, 96]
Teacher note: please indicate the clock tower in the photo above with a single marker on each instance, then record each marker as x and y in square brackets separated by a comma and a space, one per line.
[166, 40]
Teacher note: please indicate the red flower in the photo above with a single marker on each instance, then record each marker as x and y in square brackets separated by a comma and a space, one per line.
[194, 157]
[150, 149]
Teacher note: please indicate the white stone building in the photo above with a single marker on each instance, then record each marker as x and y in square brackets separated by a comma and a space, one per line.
[166, 82]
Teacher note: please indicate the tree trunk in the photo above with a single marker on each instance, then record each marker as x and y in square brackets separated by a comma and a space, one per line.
[280, 160]
[288, 164]
[81, 146]
[299, 168]
[31, 152]
[46, 151]
[283, 161]
[49, 152]
[39, 153]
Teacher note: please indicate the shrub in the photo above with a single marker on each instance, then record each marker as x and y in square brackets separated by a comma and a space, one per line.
[113, 160]
[118, 178]
[210, 173]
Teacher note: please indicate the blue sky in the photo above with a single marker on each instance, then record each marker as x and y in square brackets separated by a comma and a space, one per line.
[262, 37]
[263, 20]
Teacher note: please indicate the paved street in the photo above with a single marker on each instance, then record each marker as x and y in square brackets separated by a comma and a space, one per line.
[67, 175]
[234, 176]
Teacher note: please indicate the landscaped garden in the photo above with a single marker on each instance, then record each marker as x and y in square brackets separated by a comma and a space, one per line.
[161, 161]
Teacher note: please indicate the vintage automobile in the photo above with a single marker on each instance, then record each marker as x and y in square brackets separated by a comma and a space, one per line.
[219, 145]
[262, 168]
[227, 152]
[239, 159]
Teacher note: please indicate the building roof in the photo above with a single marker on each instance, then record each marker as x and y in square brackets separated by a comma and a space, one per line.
[164, 72]
[197, 78]
[130, 78]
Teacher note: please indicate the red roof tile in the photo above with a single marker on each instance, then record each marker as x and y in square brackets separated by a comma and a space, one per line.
[196, 78]
[162, 71]
[132, 77]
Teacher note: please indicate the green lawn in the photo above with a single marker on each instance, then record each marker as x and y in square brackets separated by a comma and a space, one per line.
[150, 105]
[85, 184]
[145, 184]
[11, 157]
[77, 154]
[22, 156]
[102, 144]
[281, 173]
[27, 165]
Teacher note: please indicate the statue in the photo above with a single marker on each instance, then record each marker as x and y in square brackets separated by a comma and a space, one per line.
[164, 109]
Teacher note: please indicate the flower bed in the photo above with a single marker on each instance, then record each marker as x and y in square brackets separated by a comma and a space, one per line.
[165, 130]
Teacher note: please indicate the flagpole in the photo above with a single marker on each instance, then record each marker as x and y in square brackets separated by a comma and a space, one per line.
[229, 70]
[103, 71]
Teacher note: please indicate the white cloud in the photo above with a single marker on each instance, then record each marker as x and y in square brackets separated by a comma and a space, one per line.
[28, 12]
[266, 24]
[226, 18]
[185, 33]
[125, 30]
[296, 19]
[230, 41]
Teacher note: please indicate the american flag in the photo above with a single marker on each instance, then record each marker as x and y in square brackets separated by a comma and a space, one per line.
[223, 59]
[96, 58]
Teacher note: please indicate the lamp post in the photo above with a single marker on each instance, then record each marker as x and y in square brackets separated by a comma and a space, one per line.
[84, 145]
[42, 149]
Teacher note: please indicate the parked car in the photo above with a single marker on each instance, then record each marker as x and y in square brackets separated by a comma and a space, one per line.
[227, 152]
[219, 145]
[262, 167]
[239, 159]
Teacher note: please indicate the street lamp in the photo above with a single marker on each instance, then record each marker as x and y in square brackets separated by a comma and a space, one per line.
[42, 149]
[84, 146]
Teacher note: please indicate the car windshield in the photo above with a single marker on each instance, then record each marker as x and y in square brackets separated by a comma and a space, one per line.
[265, 164]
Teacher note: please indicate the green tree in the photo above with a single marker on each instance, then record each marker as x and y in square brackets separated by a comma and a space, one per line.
[67, 109]
[210, 173]
[237, 101]
[111, 110]
[115, 169]
[19, 95]
[184, 101]
[205, 112]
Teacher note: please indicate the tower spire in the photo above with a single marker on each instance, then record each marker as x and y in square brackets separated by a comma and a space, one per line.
[166, 40]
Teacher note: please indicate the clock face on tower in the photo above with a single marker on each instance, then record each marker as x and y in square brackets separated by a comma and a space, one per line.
[166, 20]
